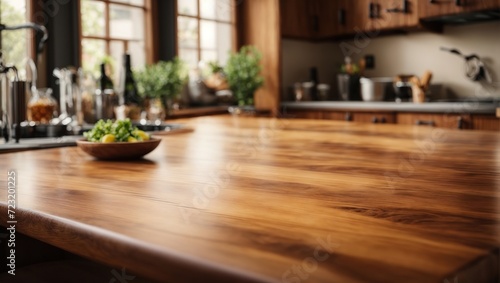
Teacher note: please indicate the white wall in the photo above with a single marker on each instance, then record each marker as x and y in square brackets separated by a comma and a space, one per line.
[411, 53]
[299, 56]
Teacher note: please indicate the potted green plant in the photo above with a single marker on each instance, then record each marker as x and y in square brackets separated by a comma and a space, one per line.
[215, 78]
[161, 83]
[243, 74]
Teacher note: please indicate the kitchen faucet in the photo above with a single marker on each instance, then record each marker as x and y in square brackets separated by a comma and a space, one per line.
[12, 105]
[38, 28]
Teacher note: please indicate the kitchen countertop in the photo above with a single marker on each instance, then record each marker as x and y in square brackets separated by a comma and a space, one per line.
[244, 199]
[429, 107]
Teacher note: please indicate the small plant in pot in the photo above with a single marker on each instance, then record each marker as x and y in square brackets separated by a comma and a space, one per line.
[161, 84]
[243, 74]
[216, 78]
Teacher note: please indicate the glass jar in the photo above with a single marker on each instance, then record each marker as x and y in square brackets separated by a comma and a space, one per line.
[155, 110]
[42, 106]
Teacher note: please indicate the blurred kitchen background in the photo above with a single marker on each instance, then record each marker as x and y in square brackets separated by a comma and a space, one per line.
[303, 43]
[403, 53]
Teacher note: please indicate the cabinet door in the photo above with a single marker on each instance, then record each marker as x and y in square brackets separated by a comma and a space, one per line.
[296, 21]
[308, 19]
[324, 18]
[479, 5]
[400, 13]
[450, 121]
[344, 17]
[383, 15]
[486, 122]
[436, 8]
[304, 114]
[338, 115]
[374, 117]
[361, 117]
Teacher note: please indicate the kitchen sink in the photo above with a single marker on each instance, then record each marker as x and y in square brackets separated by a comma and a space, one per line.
[38, 143]
[50, 136]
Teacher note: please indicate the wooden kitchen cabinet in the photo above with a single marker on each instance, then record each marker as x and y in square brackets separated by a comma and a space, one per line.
[437, 8]
[374, 117]
[383, 15]
[438, 120]
[344, 18]
[327, 18]
[449, 121]
[337, 115]
[352, 116]
[361, 117]
[296, 19]
[304, 114]
[486, 122]
[308, 19]
[429, 9]
[480, 5]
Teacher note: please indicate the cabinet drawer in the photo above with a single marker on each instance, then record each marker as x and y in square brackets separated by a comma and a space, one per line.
[486, 122]
[450, 121]
[304, 114]
[361, 117]
[374, 117]
[437, 8]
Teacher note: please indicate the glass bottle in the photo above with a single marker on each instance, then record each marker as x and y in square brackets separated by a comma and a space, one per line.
[128, 87]
[104, 81]
[128, 93]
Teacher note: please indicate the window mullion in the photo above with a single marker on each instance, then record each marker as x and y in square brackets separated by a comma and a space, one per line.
[107, 28]
[199, 33]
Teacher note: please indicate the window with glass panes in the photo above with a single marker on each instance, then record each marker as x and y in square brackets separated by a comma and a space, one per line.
[15, 44]
[110, 28]
[205, 30]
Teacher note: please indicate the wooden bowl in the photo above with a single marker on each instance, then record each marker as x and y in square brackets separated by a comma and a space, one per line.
[118, 150]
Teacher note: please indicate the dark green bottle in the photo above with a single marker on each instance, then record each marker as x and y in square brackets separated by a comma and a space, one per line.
[128, 87]
[104, 81]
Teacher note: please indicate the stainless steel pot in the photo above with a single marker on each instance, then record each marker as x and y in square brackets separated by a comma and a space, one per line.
[376, 89]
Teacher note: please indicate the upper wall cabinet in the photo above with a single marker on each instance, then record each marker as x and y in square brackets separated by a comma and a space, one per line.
[383, 15]
[307, 19]
[326, 19]
[323, 19]
[297, 19]
[437, 8]
[343, 17]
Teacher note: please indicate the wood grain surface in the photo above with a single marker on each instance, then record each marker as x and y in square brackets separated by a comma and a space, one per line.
[275, 200]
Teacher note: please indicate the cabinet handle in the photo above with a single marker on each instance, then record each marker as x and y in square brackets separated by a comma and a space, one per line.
[425, 123]
[403, 9]
[372, 10]
[341, 17]
[348, 116]
[460, 123]
[374, 120]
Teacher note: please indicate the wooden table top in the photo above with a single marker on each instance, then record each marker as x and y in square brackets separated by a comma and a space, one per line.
[275, 200]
